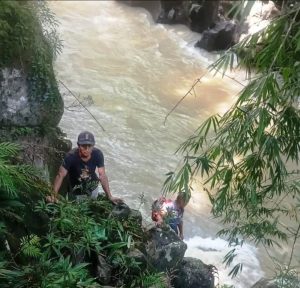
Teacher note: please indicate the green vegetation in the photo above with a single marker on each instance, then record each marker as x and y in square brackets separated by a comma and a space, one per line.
[54, 245]
[27, 35]
[246, 156]
[29, 42]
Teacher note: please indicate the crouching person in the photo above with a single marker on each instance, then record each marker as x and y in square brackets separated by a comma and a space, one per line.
[81, 164]
[170, 212]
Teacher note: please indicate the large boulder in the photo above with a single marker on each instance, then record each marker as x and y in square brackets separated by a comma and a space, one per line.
[203, 16]
[221, 37]
[164, 249]
[174, 12]
[193, 273]
[29, 101]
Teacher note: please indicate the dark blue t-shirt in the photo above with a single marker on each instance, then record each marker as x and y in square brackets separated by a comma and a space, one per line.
[82, 175]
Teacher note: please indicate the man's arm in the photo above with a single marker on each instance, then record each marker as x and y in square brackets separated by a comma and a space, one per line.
[62, 172]
[180, 228]
[105, 185]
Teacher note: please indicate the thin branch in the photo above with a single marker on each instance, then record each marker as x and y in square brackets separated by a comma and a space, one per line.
[286, 35]
[293, 247]
[82, 105]
[268, 253]
[186, 94]
[192, 89]
[224, 74]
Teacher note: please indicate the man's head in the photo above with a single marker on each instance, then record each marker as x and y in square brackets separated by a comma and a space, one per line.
[85, 142]
[182, 199]
[86, 137]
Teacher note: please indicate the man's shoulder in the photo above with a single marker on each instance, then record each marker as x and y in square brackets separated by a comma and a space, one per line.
[72, 152]
[96, 151]
[70, 159]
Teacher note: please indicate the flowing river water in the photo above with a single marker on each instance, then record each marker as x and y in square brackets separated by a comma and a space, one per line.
[135, 71]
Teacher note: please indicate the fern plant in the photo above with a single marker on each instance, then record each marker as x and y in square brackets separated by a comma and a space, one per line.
[147, 280]
[19, 183]
[20, 187]
[31, 246]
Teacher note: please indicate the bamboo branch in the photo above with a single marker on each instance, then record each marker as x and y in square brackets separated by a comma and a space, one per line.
[286, 35]
[83, 105]
[293, 247]
[182, 98]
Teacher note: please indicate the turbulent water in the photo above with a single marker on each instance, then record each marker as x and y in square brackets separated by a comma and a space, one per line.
[136, 71]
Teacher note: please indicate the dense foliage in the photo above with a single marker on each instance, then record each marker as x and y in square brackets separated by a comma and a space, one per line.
[247, 157]
[29, 42]
[57, 245]
[27, 34]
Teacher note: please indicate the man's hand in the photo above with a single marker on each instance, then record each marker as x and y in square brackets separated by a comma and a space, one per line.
[116, 200]
[52, 199]
[181, 236]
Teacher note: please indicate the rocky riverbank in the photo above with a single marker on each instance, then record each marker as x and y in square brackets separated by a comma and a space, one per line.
[213, 19]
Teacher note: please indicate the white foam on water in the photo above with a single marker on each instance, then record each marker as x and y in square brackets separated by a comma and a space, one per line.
[212, 251]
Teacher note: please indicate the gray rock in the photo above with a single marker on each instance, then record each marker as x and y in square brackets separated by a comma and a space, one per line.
[174, 12]
[23, 105]
[120, 211]
[139, 257]
[221, 37]
[204, 16]
[135, 216]
[193, 273]
[164, 249]
[103, 270]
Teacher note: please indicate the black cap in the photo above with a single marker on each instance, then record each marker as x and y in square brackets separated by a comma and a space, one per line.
[86, 138]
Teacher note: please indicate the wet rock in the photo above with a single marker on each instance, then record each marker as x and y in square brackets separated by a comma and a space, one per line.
[23, 104]
[193, 273]
[103, 270]
[174, 12]
[203, 16]
[221, 37]
[164, 249]
[139, 257]
[135, 216]
[120, 211]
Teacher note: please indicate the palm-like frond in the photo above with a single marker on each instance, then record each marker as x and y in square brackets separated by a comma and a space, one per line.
[17, 178]
[8, 150]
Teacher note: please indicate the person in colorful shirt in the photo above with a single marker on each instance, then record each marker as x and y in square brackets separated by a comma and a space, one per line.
[170, 212]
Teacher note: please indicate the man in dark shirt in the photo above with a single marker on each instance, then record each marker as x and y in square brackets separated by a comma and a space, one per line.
[81, 164]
